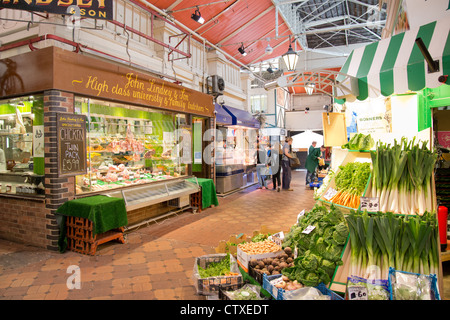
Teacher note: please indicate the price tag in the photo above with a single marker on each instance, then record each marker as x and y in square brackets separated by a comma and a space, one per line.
[93, 182]
[357, 293]
[308, 229]
[330, 194]
[370, 204]
[277, 238]
[301, 214]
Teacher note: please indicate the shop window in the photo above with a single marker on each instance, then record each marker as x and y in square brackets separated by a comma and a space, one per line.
[22, 146]
[129, 145]
[259, 103]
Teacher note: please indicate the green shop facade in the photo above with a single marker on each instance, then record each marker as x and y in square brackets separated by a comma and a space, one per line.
[73, 126]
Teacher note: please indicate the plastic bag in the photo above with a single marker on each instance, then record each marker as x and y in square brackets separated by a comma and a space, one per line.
[412, 286]
[247, 292]
[305, 293]
[367, 289]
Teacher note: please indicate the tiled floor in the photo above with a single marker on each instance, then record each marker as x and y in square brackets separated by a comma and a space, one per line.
[157, 260]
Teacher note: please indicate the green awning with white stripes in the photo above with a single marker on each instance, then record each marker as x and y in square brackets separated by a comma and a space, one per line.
[395, 65]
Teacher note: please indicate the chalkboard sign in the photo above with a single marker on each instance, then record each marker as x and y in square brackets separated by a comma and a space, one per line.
[71, 131]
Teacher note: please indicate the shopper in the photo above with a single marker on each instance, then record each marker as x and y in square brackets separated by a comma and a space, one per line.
[286, 183]
[312, 161]
[275, 165]
[261, 166]
[312, 146]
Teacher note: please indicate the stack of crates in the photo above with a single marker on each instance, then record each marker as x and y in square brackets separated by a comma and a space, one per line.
[196, 200]
[81, 237]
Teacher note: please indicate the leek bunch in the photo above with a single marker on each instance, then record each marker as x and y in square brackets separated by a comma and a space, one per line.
[402, 176]
[379, 241]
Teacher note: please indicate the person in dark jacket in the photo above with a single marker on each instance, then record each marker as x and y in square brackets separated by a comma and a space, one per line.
[312, 161]
[286, 155]
[275, 165]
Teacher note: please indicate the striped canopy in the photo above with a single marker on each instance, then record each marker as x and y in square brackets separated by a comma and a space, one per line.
[395, 65]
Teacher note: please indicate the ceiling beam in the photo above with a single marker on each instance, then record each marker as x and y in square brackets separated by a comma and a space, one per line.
[345, 27]
[235, 32]
[217, 16]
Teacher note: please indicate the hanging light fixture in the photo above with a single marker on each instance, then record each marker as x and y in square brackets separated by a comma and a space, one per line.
[290, 57]
[197, 16]
[309, 87]
[241, 50]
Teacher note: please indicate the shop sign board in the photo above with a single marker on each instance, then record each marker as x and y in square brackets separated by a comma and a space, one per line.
[71, 142]
[55, 68]
[371, 123]
[97, 9]
[96, 78]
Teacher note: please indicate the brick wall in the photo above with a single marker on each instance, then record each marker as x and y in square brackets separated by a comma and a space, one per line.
[23, 221]
[57, 189]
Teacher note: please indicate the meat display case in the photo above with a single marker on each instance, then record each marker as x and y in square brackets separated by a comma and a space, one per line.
[156, 192]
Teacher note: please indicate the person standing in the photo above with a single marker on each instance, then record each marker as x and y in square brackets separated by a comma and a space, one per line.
[285, 159]
[275, 165]
[312, 161]
[312, 146]
[261, 166]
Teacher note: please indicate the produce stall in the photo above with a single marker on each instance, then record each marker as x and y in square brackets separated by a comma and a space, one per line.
[380, 195]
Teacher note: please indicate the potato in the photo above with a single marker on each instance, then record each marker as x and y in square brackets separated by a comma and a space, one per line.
[283, 265]
[289, 260]
[288, 251]
[261, 264]
[253, 262]
[270, 268]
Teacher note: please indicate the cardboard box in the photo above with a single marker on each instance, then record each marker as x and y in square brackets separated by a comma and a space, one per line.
[243, 258]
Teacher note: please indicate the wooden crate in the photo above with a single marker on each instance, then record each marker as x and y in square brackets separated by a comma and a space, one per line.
[81, 237]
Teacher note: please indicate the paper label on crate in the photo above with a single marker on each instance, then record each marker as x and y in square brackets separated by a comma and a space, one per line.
[301, 214]
[357, 293]
[308, 229]
[330, 194]
[370, 204]
[277, 238]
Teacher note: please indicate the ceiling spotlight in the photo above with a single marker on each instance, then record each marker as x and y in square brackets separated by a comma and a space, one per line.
[309, 87]
[241, 50]
[197, 16]
[269, 49]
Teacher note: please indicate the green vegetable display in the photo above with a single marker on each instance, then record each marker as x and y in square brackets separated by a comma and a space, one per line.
[359, 142]
[383, 240]
[319, 252]
[216, 269]
[402, 176]
[351, 182]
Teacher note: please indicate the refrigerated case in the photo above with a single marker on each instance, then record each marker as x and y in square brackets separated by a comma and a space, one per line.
[21, 146]
[128, 146]
[235, 149]
[157, 192]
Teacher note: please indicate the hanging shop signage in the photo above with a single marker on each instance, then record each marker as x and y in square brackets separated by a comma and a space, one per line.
[71, 132]
[396, 65]
[95, 9]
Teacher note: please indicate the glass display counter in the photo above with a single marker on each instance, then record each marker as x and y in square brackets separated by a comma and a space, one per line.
[154, 193]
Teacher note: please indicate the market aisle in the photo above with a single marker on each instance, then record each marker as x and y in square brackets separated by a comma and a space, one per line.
[157, 260]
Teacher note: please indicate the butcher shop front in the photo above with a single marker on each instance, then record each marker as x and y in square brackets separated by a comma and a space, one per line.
[74, 126]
